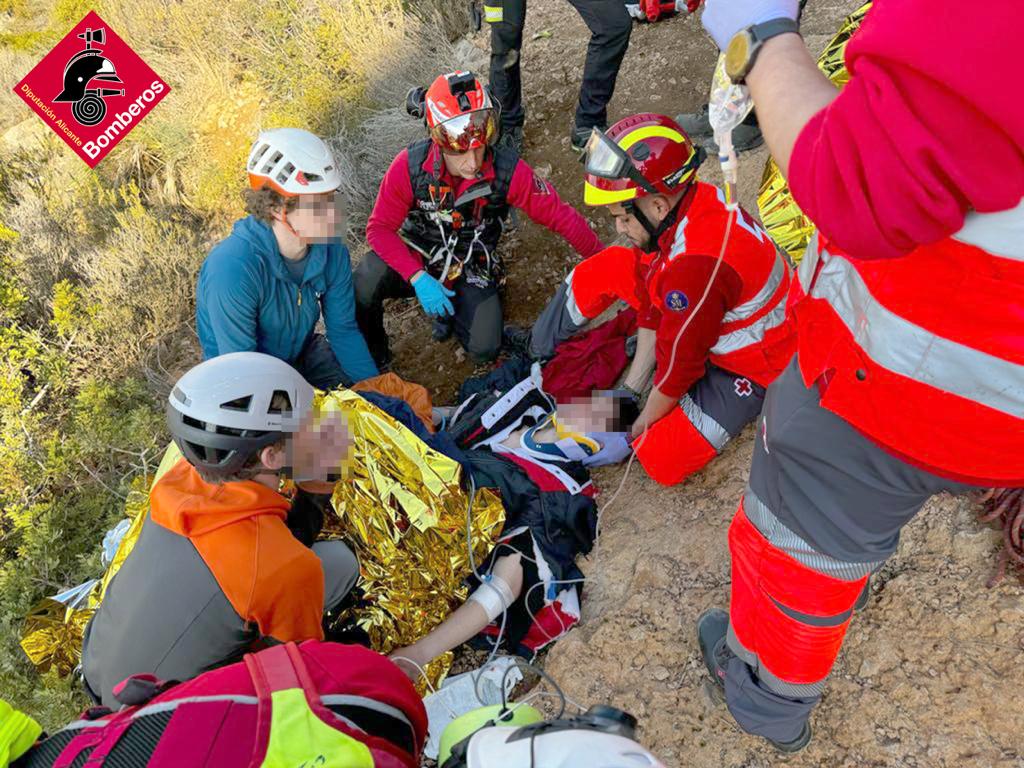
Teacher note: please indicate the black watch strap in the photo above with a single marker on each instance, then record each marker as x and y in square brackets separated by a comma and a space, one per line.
[769, 29]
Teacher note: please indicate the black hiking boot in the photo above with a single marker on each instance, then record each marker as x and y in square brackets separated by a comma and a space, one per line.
[580, 136]
[712, 628]
[697, 125]
[442, 328]
[516, 341]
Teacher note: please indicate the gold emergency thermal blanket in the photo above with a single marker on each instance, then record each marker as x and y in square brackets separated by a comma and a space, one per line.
[780, 214]
[53, 630]
[401, 506]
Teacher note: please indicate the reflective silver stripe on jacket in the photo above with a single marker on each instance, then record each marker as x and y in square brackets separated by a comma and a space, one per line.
[1000, 233]
[909, 350]
[749, 308]
[781, 537]
[712, 431]
[752, 334]
[805, 272]
[570, 302]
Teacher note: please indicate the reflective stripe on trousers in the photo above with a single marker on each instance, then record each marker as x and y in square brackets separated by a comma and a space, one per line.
[909, 350]
[710, 429]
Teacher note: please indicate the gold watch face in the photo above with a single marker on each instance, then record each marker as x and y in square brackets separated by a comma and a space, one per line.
[737, 55]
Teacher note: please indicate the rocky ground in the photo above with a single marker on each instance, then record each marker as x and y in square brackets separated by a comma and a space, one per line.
[931, 671]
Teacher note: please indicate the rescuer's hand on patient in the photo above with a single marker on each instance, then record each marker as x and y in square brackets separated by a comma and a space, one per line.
[615, 448]
[724, 18]
[433, 296]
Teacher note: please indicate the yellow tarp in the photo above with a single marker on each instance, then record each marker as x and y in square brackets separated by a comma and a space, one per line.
[780, 214]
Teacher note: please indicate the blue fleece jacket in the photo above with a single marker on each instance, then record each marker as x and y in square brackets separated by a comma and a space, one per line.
[246, 300]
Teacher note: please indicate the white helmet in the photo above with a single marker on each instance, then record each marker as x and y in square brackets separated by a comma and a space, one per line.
[222, 411]
[292, 162]
[533, 747]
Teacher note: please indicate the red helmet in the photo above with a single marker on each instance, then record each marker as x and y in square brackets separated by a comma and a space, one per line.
[641, 155]
[460, 113]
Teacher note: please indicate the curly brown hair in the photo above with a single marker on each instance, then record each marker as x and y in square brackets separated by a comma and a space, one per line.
[262, 203]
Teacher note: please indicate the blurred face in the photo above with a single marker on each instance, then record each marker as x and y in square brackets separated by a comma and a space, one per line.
[313, 455]
[465, 165]
[317, 218]
[587, 414]
[654, 207]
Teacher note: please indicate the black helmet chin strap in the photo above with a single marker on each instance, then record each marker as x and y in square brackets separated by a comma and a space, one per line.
[653, 232]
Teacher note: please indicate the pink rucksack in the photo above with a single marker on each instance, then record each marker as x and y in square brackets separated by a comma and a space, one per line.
[321, 705]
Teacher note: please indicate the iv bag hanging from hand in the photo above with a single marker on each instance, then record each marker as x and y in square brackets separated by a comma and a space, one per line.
[728, 104]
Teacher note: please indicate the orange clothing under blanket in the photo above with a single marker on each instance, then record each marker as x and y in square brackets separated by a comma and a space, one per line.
[239, 530]
[393, 385]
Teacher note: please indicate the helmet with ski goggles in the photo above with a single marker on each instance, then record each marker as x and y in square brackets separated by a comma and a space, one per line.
[642, 155]
[460, 112]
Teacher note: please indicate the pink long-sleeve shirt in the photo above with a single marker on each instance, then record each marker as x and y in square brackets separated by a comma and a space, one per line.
[930, 126]
[535, 196]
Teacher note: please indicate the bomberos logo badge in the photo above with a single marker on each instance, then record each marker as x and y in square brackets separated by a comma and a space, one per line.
[92, 89]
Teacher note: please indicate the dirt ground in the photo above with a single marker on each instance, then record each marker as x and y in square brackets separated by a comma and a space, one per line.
[931, 672]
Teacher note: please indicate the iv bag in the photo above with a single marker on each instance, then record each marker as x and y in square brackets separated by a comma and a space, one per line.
[728, 103]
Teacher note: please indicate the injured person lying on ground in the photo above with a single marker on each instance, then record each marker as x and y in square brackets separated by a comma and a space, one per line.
[551, 446]
[510, 448]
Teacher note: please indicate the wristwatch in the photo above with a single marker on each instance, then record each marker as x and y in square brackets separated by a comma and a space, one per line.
[742, 50]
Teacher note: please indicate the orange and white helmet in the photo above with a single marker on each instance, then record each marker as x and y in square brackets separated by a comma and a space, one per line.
[292, 162]
[460, 112]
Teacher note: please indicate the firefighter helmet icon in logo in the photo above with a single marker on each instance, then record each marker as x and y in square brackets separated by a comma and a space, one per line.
[84, 69]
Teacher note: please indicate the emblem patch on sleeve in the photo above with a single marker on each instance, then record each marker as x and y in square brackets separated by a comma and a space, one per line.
[676, 301]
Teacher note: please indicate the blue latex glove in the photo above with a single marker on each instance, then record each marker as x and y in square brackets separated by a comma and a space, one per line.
[724, 18]
[433, 297]
[615, 448]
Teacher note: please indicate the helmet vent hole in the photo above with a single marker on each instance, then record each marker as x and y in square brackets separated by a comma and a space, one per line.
[268, 166]
[257, 155]
[194, 423]
[280, 402]
[241, 404]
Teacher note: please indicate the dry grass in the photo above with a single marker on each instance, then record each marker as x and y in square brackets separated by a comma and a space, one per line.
[106, 259]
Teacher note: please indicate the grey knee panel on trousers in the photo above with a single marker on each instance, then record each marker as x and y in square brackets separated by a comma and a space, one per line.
[560, 320]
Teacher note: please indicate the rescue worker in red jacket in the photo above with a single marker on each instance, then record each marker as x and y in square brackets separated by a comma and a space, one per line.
[712, 323]
[909, 373]
[439, 217]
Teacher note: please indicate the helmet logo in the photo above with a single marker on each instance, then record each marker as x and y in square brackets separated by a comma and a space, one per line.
[301, 178]
[88, 106]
